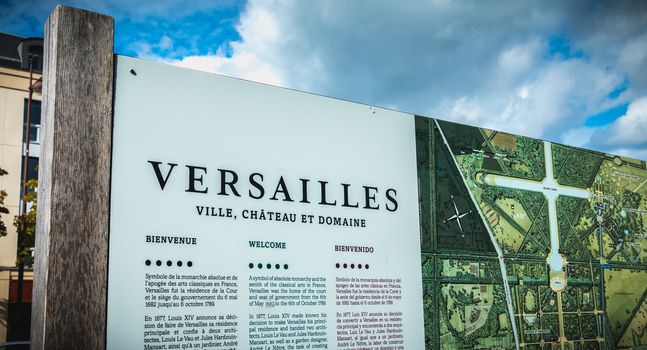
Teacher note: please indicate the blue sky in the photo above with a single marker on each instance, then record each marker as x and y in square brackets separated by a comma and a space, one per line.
[182, 30]
[571, 72]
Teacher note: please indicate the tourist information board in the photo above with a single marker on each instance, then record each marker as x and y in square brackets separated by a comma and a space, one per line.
[246, 216]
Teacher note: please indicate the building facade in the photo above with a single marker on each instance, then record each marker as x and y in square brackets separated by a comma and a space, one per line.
[15, 55]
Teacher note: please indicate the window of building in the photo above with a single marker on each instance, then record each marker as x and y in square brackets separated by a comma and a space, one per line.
[36, 53]
[34, 121]
[32, 168]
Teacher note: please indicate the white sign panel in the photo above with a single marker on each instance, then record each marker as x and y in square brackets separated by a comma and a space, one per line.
[246, 216]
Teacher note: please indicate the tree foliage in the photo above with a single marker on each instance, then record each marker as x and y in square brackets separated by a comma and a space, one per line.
[3, 209]
[26, 225]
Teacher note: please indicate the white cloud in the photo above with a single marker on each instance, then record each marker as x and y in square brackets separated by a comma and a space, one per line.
[243, 65]
[474, 62]
[633, 58]
[470, 62]
[578, 137]
[625, 136]
[165, 42]
[259, 31]
[640, 153]
[483, 63]
[630, 130]
[555, 96]
[519, 59]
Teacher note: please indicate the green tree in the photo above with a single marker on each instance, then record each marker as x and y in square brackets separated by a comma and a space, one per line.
[3, 209]
[26, 225]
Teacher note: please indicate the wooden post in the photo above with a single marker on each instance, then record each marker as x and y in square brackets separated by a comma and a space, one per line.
[71, 267]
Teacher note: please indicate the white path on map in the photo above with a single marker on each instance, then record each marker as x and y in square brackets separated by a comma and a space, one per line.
[551, 190]
[639, 186]
[499, 253]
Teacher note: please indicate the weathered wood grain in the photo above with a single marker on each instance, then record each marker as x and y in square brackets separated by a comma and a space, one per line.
[71, 268]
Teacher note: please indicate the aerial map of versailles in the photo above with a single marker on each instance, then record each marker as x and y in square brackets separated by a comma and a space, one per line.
[528, 244]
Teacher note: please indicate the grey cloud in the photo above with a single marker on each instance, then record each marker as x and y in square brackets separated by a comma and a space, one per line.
[479, 62]
[430, 57]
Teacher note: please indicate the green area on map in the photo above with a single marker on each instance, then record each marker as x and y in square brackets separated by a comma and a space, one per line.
[528, 244]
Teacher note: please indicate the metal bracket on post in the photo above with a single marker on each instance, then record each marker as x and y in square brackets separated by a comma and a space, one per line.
[71, 262]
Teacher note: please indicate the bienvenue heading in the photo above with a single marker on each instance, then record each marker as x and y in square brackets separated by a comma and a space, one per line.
[255, 186]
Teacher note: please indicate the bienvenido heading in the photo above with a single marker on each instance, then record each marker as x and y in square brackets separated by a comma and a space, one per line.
[254, 187]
